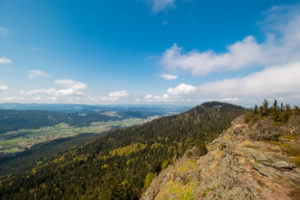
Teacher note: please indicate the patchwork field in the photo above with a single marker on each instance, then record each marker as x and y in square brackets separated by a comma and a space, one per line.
[21, 139]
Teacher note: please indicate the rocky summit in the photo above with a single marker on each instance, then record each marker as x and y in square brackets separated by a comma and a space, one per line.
[257, 160]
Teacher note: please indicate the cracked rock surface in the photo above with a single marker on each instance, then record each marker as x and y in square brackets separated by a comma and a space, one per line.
[240, 164]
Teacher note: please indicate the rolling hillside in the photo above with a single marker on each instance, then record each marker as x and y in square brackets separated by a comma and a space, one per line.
[121, 164]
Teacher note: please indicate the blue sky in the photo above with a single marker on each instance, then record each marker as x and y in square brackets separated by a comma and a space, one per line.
[149, 51]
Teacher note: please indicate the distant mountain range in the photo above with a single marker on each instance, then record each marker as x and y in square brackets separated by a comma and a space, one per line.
[85, 108]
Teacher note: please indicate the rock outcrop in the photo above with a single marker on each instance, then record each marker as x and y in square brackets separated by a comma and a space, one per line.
[245, 162]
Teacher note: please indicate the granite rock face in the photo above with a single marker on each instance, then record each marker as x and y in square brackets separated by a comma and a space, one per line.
[240, 164]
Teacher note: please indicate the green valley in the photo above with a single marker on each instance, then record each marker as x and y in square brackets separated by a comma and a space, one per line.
[22, 139]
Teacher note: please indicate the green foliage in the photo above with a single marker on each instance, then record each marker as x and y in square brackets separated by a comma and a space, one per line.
[279, 115]
[92, 171]
[127, 150]
[200, 143]
[265, 108]
[148, 179]
[165, 164]
[181, 191]
[43, 152]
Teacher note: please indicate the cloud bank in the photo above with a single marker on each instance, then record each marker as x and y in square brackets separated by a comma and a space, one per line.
[281, 82]
[277, 80]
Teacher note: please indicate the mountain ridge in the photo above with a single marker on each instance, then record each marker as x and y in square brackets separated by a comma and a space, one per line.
[245, 162]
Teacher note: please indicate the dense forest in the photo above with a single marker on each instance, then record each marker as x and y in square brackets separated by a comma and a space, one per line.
[22, 161]
[121, 164]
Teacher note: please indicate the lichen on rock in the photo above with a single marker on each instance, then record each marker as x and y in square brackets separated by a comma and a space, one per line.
[242, 163]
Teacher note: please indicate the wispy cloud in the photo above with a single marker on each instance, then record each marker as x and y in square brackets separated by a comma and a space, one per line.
[122, 93]
[3, 30]
[37, 73]
[5, 60]
[282, 44]
[169, 76]
[70, 87]
[159, 5]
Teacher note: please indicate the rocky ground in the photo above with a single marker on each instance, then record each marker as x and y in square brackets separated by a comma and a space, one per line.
[259, 160]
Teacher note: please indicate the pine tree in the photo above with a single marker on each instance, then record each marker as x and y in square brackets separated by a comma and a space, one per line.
[265, 107]
[275, 106]
[275, 112]
[281, 107]
[255, 109]
[287, 112]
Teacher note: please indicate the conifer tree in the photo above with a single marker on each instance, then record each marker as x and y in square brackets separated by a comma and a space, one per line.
[265, 107]
[255, 109]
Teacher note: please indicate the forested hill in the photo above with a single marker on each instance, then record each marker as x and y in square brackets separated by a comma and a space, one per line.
[257, 158]
[123, 163]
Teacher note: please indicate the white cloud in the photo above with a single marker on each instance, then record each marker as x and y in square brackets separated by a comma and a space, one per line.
[148, 96]
[175, 94]
[52, 98]
[169, 76]
[37, 98]
[280, 82]
[71, 84]
[3, 87]
[181, 89]
[115, 96]
[163, 98]
[37, 73]
[159, 5]
[4, 60]
[122, 93]
[70, 87]
[3, 30]
[282, 44]
[274, 81]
